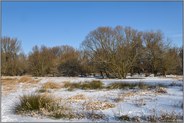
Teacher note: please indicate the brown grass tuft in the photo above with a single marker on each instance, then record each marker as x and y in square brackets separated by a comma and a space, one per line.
[51, 85]
[27, 79]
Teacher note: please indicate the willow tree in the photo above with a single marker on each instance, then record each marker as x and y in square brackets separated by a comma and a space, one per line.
[113, 50]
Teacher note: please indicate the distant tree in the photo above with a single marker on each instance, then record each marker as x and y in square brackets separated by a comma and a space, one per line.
[86, 65]
[69, 64]
[10, 50]
[40, 61]
[154, 49]
[171, 61]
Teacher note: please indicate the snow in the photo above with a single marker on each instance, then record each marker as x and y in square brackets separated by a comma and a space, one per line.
[154, 103]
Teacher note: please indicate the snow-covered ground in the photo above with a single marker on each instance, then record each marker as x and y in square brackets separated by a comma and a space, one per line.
[130, 102]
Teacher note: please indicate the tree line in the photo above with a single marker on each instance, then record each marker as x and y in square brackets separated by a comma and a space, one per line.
[106, 51]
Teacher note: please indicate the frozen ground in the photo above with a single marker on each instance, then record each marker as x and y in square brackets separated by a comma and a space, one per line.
[130, 102]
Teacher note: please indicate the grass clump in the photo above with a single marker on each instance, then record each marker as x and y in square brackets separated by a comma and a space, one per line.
[118, 85]
[35, 102]
[84, 85]
[42, 90]
[51, 85]
[95, 116]
[43, 105]
[93, 85]
[128, 118]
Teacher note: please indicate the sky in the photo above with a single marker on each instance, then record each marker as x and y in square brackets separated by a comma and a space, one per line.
[68, 23]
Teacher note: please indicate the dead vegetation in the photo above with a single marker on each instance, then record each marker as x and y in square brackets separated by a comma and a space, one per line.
[51, 85]
[98, 105]
[128, 118]
[44, 105]
[164, 117]
[95, 116]
[84, 85]
[27, 79]
[161, 90]
[119, 85]
[9, 85]
[78, 97]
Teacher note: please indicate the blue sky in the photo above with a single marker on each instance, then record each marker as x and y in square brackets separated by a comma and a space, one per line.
[61, 23]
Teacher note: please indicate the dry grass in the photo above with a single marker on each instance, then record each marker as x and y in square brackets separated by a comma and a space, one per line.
[161, 90]
[128, 118]
[51, 85]
[84, 85]
[95, 116]
[128, 94]
[27, 79]
[119, 85]
[98, 105]
[78, 97]
[170, 117]
[9, 85]
[43, 105]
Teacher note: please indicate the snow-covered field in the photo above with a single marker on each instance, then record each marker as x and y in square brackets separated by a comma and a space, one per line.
[127, 102]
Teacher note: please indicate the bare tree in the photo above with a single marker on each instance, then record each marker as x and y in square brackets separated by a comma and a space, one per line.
[114, 51]
[10, 49]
